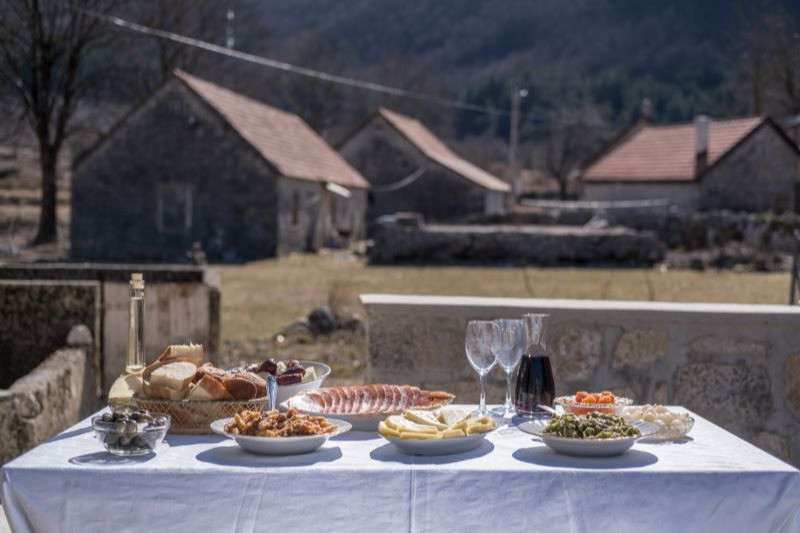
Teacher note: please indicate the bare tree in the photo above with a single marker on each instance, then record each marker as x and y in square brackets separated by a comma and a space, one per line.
[201, 19]
[771, 37]
[571, 139]
[46, 48]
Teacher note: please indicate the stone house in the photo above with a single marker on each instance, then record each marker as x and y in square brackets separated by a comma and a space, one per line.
[197, 163]
[744, 164]
[410, 169]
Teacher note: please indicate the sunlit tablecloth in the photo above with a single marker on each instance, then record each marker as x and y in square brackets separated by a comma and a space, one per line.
[358, 482]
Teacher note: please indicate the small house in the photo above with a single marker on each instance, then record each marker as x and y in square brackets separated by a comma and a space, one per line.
[198, 164]
[744, 164]
[410, 169]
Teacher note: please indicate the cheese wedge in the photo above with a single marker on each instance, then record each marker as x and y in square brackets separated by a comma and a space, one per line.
[464, 424]
[404, 425]
[479, 428]
[383, 429]
[416, 435]
[451, 416]
[426, 418]
[453, 433]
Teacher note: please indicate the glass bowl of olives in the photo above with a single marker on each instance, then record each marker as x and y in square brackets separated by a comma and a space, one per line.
[128, 431]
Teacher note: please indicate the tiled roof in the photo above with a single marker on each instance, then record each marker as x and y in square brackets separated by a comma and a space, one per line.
[282, 138]
[667, 153]
[433, 148]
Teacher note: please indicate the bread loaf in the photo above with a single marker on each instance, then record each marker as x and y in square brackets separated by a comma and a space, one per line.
[245, 386]
[208, 388]
[210, 370]
[162, 393]
[183, 352]
[176, 376]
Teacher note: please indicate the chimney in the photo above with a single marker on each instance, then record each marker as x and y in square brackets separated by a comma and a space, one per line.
[701, 130]
[646, 110]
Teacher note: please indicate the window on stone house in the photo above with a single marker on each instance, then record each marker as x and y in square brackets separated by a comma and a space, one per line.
[295, 207]
[174, 208]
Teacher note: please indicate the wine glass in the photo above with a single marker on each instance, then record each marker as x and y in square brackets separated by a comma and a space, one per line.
[478, 344]
[508, 344]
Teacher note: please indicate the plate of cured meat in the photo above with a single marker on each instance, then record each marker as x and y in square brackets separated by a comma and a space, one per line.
[365, 406]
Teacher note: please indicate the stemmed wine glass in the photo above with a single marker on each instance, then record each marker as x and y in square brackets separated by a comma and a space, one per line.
[508, 345]
[478, 344]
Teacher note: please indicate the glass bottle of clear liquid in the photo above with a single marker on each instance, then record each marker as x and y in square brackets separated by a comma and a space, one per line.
[135, 361]
[535, 384]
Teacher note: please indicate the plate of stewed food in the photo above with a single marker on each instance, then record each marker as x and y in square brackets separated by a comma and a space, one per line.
[277, 433]
[592, 435]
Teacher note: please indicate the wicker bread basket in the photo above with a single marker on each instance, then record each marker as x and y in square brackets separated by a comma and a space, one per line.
[195, 417]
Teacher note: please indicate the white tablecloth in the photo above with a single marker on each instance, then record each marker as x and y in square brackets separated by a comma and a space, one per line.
[359, 482]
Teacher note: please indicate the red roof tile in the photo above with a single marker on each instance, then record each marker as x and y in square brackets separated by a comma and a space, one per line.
[667, 153]
[282, 138]
[433, 148]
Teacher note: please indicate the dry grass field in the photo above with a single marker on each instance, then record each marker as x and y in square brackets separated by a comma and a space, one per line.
[260, 298]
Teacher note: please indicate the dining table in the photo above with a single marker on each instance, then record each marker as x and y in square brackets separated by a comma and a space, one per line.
[710, 480]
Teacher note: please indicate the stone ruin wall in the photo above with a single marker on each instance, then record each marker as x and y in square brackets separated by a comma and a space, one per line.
[55, 395]
[737, 365]
[545, 246]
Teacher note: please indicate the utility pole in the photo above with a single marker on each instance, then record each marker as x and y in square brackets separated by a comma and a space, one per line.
[516, 95]
[230, 39]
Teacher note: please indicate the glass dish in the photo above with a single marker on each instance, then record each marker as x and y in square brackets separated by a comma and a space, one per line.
[569, 405]
[131, 438]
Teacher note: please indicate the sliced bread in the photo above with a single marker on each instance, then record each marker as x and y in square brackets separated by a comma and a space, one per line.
[208, 388]
[176, 376]
[183, 352]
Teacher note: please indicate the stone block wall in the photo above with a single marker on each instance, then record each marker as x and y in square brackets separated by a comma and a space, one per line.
[539, 245]
[52, 397]
[35, 318]
[182, 304]
[737, 365]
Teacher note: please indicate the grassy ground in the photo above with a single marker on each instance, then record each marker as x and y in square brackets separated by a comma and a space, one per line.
[260, 298]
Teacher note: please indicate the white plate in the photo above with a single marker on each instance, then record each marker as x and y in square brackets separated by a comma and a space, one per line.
[285, 392]
[587, 447]
[363, 422]
[437, 446]
[279, 445]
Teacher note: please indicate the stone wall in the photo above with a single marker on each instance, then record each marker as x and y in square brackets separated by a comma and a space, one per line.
[35, 318]
[676, 228]
[539, 245]
[52, 397]
[686, 195]
[182, 304]
[737, 365]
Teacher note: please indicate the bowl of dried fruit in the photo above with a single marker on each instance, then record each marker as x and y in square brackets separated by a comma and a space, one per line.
[583, 403]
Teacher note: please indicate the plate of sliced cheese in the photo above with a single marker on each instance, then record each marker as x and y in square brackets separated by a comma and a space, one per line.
[440, 432]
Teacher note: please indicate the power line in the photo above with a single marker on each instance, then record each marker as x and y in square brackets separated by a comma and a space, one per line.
[303, 71]
[286, 67]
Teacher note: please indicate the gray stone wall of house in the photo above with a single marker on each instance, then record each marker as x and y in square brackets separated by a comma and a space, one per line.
[174, 155]
[683, 195]
[349, 214]
[298, 215]
[385, 157]
[737, 365]
[759, 175]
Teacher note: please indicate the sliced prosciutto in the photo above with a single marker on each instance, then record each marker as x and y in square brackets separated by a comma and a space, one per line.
[380, 399]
